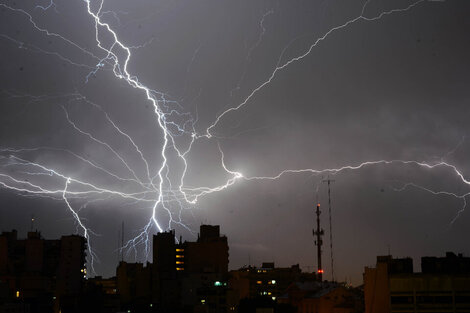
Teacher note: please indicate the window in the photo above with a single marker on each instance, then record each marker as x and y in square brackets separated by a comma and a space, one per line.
[462, 299]
[401, 299]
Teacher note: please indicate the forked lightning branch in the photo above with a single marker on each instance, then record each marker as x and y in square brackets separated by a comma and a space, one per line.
[165, 197]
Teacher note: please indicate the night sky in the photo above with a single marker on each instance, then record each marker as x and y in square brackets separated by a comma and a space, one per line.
[391, 86]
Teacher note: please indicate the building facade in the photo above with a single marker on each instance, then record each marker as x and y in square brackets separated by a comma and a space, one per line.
[443, 285]
[41, 274]
[191, 276]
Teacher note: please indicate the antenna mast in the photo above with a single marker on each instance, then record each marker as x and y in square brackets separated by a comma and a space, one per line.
[331, 227]
[318, 242]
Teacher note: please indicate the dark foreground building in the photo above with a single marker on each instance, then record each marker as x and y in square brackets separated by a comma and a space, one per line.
[323, 297]
[39, 275]
[184, 277]
[191, 276]
[267, 280]
[442, 286]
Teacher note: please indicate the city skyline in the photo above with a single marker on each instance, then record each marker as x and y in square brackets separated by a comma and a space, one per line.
[263, 102]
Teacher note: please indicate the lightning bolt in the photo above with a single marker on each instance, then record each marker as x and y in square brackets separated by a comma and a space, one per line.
[35, 49]
[48, 33]
[155, 189]
[253, 48]
[279, 68]
[51, 4]
[462, 197]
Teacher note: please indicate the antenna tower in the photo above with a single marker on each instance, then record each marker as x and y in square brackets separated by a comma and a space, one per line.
[331, 227]
[319, 242]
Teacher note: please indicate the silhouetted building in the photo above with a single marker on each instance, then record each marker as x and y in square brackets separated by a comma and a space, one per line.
[45, 274]
[134, 283]
[450, 264]
[165, 286]
[164, 254]
[442, 286]
[209, 254]
[265, 281]
[191, 276]
[100, 295]
[322, 297]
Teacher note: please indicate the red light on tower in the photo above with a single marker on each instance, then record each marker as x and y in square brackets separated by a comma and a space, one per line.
[320, 271]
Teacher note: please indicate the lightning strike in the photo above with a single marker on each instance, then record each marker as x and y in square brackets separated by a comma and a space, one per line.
[156, 189]
[251, 49]
[305, 54]
[35, 49]
[51, 4]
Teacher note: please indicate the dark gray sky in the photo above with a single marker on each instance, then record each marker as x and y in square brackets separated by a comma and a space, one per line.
[388, 89]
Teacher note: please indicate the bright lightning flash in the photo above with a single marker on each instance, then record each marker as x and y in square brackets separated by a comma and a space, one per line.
[156, 189]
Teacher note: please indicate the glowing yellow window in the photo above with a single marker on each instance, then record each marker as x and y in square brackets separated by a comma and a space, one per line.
[179, 262]
[18, 294]
[179, 256]
[180, 269]
[179, 250]
[259, 282]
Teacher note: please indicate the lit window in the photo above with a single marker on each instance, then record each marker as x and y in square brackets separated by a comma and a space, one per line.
[274, 298]
[259, 282]
[203, 301]
[217, 283]
[18, 294]
[179, 250]
[273, 282]
[179, 262]
[180, 269]
[179, 256]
